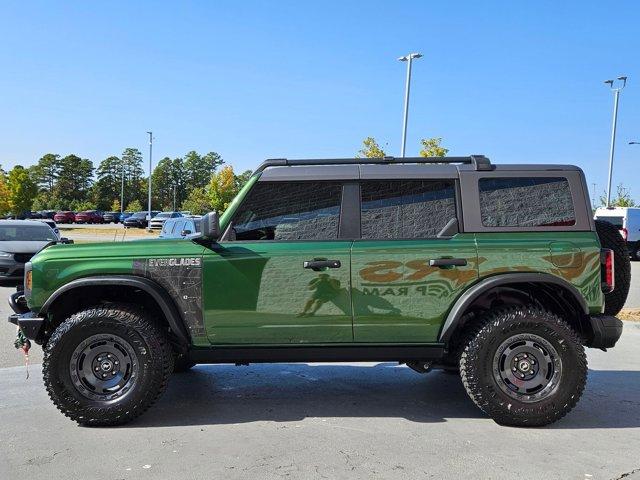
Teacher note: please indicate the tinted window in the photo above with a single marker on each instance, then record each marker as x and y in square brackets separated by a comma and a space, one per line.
[26, 233]
[289, 211]
[617, 221]
[526, 202]
[406, 208]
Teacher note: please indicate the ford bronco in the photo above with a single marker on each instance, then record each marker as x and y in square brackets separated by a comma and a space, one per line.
[496, 272]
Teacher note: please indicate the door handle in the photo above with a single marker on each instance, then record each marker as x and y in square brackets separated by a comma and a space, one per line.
[448, 262]
[318, 265]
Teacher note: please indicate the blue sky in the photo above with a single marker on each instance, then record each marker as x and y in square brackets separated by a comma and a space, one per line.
[517, 81]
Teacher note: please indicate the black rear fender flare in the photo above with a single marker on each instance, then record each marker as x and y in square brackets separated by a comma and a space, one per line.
[473, 293]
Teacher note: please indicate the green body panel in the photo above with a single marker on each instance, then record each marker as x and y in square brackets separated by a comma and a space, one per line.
[397, 296]
[259, 293]
[573, 256]
[60, 264]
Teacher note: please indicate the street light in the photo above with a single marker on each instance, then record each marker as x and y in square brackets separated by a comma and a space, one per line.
[122, 192]
[616, 97]
[407, 58]
[150, 156]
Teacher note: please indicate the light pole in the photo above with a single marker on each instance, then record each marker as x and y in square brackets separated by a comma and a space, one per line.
[122, 192]
[174, 197]
[407, 58]
[150, 157]
[616, 97]
[595, 190]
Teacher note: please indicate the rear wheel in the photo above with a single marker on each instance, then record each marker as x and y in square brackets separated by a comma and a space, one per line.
[524, 366]
[106, 365]
[610, 238]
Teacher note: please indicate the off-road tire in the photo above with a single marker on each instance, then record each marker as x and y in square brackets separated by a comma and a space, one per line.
[150, 347]
[610, 238]
[477, 366]
[182, 363]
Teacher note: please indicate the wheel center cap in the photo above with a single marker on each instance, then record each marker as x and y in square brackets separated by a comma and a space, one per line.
[524, 366]
[106, 366]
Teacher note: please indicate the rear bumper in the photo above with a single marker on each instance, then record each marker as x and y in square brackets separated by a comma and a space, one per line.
[29, 322]
[606, 331]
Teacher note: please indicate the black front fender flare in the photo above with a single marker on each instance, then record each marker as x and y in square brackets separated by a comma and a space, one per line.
[156, 292]
[471, 294]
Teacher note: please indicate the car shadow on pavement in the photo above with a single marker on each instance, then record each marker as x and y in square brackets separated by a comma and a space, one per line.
[225, 394]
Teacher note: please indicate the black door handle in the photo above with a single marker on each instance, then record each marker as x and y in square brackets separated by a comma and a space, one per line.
[448, 262]
[318, 265]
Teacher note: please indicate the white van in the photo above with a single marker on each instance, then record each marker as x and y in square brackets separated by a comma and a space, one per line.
[627, 219]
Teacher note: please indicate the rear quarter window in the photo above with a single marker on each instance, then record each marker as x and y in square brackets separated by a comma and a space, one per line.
[526, 202]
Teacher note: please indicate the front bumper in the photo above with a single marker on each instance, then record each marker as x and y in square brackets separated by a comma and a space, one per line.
[606, 331]
[29, 322]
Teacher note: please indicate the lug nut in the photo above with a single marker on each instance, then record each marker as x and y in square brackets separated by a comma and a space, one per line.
[104, 375]
[97, 369]
[113, 373]
[116, 362]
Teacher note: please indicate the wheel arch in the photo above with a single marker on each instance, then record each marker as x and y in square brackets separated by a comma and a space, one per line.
[152, 290]
[524, 283]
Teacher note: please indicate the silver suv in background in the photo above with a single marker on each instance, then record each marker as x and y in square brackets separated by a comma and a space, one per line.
[180, 227]
[158, 221]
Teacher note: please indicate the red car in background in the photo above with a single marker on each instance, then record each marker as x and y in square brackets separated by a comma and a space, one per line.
[89, 216]
[64, 217]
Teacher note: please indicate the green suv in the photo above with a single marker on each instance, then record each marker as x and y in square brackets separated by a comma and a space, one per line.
[496, 272]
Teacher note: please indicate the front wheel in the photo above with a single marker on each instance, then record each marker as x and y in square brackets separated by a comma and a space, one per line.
[524, 366]
[107, 365]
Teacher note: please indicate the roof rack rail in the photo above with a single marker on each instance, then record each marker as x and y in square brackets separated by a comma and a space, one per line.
[479, 162]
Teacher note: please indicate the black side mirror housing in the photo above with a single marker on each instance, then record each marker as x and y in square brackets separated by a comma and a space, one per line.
[184, 233]
[210, 226]
[66, 240]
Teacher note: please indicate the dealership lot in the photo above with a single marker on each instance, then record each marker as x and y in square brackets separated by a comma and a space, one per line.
[356, 420]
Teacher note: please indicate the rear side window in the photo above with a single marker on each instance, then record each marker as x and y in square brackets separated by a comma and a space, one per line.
[617, 221]
[406, 208]
[526, 202]
[290, 211]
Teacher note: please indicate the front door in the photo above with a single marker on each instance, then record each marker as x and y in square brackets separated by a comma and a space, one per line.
[283, 277]
[411, 264]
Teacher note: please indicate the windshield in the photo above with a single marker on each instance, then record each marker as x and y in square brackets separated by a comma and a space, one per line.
[164, 215]
[139, 215]
[617, 221]
[26, 233]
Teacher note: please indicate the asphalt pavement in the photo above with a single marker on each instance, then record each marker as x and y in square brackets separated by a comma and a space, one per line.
[356, 420]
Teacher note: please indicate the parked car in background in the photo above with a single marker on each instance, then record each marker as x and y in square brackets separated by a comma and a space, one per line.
[52, 225]
[89, 216]
[627, 219]
[19, 241]
[23, 215]
[139, 219]
[124, 215]
[65, 216]
[180, 227]
[160, 218]
[111, 217]
[47, 214]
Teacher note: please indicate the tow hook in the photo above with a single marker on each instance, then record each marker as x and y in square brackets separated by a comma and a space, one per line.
[420, 367]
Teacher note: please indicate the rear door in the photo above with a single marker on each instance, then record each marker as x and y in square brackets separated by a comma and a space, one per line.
[411, 262]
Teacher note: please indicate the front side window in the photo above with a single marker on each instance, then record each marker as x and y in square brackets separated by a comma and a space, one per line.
[289, 211]
[526, 202]
[406, 208]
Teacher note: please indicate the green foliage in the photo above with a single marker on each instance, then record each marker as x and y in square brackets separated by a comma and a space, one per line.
[5, 196]
[74, 180]
[197, 202]
[134, 206]
[242, 179]
[115, 206]
[135, 185]
[168, 179]
[46, 171]
[81, 205]
[22, 189]
[370, 149]
[199, 169]
[109, 183]
[622, 198]
[431, 147]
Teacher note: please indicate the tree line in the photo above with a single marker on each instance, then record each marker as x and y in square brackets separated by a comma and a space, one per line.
[195, 182]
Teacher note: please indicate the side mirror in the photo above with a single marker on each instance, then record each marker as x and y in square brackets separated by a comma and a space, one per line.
[66, 240]
[184, 233]
[210, 226]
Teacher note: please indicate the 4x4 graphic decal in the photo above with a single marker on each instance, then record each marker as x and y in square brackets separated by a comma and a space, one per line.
[182, 278]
